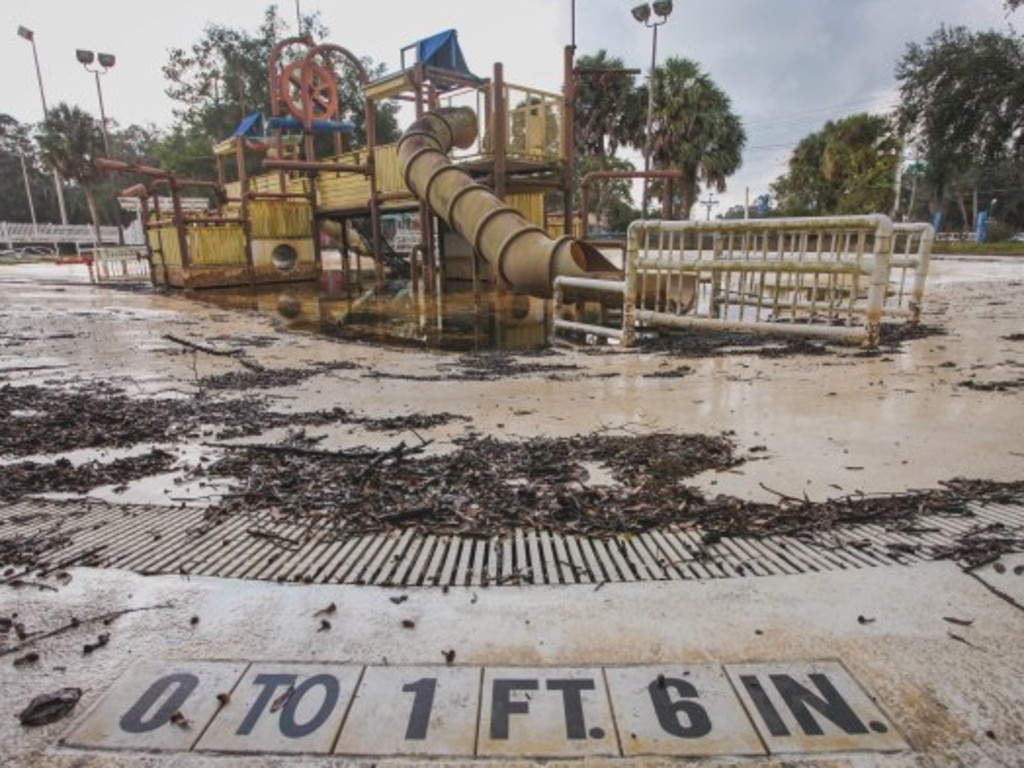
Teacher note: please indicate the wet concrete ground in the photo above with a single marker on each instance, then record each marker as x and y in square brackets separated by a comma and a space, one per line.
[932, 409]
[910, 417]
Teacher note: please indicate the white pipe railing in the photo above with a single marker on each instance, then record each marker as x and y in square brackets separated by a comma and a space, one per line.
[911, 258]
[834, 277]
[119, 265]
[13, 234]
[827, 276]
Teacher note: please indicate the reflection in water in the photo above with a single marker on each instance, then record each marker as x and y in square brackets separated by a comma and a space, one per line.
[455, 321]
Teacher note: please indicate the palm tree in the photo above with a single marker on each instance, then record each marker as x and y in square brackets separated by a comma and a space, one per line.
[607, 113]
[693, 131]
[606, 107]
[70, 139]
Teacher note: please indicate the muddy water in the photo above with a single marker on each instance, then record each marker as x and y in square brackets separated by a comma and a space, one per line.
[456, 321]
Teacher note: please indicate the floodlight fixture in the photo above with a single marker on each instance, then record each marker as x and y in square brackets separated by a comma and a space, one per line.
[27, 34]
[642, 12]
[662, 7]
[103, 62]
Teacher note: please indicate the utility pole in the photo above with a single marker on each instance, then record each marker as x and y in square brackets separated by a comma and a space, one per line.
[709, 204]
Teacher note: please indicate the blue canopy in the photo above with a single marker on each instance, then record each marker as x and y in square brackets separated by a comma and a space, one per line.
[245, 128]
[443, 52]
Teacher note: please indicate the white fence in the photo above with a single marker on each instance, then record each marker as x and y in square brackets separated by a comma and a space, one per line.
[119, 265]
[831, 277]
[14, 235]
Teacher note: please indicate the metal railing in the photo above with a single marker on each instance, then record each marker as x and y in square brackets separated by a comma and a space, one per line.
[119, 265]
[826, 277]
[14, 234]
[911, 258]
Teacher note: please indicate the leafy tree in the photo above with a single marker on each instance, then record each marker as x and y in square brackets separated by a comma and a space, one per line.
[610, 201]
[223, 77]
[962, 101]
[16, 147]
[693, 130]
[69, 140]
[846, 167]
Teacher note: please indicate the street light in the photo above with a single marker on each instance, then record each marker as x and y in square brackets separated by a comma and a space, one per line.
[28, 34]
[104, 62]
[643, 13]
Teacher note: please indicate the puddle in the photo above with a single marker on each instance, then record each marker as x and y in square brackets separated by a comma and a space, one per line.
[456, 321]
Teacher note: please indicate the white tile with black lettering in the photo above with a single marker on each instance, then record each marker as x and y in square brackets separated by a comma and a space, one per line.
[812, 706]
[545, 712]
[679, 710]
[287, 707]
[423, 711]
[158, 705]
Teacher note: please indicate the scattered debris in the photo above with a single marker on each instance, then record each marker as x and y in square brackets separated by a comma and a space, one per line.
[29, 658]
[50, 707]
[101, 641]
[960, 639]
[178, 719]
[449, 656]
[328, 611]
[106, 619]
[281, 700]
[958, 622]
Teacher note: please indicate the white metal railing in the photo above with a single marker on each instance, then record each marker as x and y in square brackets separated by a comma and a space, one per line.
[13, 234]
[911, 258]
[119, 265]
[826, 277]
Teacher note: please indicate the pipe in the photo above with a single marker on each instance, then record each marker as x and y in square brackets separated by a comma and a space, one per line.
[316, 165]
[605, 175]
[520, 253]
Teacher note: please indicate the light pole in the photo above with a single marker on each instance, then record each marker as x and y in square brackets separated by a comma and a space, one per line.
[104, 63]
[27, 34]
[643, 14]
[28, 190]
[709, 204]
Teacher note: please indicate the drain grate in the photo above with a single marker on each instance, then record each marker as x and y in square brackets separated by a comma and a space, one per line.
[153, 540]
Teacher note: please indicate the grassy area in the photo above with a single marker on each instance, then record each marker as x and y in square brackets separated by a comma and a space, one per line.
[981, 249]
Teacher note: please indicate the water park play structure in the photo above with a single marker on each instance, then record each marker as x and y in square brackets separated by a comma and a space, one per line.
[476, 172]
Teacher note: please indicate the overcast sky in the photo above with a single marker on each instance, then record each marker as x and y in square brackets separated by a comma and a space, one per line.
[788, 65]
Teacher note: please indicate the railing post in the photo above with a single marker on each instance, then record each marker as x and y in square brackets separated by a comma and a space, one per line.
[629, 294]
[879, 280]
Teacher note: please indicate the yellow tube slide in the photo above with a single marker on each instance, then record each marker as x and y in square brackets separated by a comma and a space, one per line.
[521, 253]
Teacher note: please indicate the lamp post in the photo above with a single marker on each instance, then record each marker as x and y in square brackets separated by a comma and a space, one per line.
[643, 13]
[27, 34]
[104, 63]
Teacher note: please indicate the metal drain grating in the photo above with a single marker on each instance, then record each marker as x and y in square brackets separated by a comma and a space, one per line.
[153, 540]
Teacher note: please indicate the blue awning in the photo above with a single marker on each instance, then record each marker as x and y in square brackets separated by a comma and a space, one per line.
[245, 128]
[443, 52]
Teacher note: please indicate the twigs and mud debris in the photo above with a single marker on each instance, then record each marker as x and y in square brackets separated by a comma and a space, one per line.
[50, 707]
[106, 619]
[484, 487]
[492, 366]
[62, 476]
